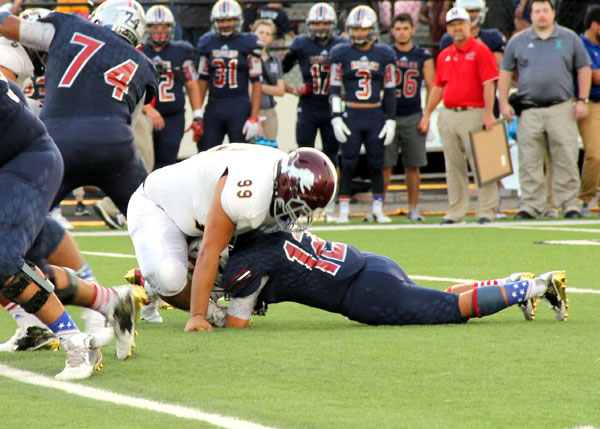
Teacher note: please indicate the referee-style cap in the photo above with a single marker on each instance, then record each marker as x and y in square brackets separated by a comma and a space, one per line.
[457, 13]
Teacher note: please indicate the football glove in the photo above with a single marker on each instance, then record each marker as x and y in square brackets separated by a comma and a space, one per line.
[304, 89]
[388, 132]
[340, 129]
[251, 128]
[198, 129]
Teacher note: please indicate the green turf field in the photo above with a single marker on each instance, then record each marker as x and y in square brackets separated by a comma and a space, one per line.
[300, 367]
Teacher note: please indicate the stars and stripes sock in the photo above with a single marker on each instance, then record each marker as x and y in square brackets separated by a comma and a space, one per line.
[85, 273]
[64, 328]
[23, 319]
[102, 298]
[489, 300]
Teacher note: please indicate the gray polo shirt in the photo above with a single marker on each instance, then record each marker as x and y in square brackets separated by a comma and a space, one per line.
[272, 71]
[547, 68]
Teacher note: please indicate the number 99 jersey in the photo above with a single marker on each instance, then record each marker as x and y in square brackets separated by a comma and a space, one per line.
[92, 72]
[185, 191]
[363, 74]
[229, 63]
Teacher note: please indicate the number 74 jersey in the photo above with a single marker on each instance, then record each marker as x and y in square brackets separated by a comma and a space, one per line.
[93, 72]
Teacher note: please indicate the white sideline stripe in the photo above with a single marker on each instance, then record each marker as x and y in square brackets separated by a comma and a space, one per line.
[130, 401]
[460, 281]
[573, 242]
[108, 254]
[99, 233]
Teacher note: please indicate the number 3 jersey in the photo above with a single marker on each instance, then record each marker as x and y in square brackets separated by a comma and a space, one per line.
[363, 74]
[409, 78]
[229, 63]
[185, 190]
[175, 66]
[94, 73]
[301, 268]
[313, 59]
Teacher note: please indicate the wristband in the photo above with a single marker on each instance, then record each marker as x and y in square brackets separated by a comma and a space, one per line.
[197, 113]
[3, 16]
[584, 100]
[252, 120]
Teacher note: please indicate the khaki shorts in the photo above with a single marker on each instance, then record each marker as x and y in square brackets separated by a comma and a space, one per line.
[409, 141]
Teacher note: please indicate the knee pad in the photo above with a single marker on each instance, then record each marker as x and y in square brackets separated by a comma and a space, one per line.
[66, 295]
[20, 282]
[170, 278]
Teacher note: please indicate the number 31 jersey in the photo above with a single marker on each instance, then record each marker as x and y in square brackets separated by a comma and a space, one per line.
[185, 190]
[93, 72]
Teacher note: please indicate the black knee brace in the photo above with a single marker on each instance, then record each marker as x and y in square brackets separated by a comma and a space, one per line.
[20, 283]
[66, 295]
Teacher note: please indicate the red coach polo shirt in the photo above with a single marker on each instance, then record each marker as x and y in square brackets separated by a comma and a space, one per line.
[463, 72]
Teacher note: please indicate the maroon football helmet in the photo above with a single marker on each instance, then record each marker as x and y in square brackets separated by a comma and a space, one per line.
[305, 181]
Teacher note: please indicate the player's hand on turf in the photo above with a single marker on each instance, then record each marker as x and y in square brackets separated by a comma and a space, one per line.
[198, 129]
[251, 128]
[388, 132]
[424, 124]
[507, 111]
[158, 123]
[197, 323]
[304, 89]
[340, 129]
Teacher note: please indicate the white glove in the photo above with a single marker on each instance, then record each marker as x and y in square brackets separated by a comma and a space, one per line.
[388, 131]
[251, 128]
[340, 129]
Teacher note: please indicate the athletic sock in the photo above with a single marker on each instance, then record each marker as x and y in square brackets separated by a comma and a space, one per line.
[102, 298]
[489, 300]
[344, 206]
[377, 204]
[85, 273]
[64, 328]
[23, 319]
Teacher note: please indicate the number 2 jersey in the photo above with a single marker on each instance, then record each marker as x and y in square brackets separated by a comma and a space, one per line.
[94, 73]
[409, 78]
[229, 63]
[314, 62]
[301, 267]
[175, 64]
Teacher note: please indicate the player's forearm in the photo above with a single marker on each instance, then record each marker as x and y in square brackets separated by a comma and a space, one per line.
[9, 27]
[193, 90]
[202, 88]
[256, 94]
[584, 81]
[205, 272]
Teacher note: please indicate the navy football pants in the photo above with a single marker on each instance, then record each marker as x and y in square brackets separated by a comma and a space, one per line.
[224, 116]
[311, 120]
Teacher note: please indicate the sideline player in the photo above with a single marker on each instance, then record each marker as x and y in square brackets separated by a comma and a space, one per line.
[363, 69]
[219, 193]
[229, 60]
[174, 61]
[95, 78]
[363, 286]
[413, 66]
[311, 52]
[25, 197]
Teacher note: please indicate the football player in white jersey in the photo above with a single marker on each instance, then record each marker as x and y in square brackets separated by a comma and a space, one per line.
[217, 194]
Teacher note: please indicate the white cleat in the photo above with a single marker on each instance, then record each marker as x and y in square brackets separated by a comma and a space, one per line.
[29, 339]
[97, 325]
[122, 318]
[83, 358]
[414, 215]
[377, 217]
[556, 294]
[343, 218]
[150, 312]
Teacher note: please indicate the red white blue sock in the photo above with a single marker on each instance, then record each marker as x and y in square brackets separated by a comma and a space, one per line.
[103, 298]
[64, 328]
[489, 300]
[23, 319]
[85, 273]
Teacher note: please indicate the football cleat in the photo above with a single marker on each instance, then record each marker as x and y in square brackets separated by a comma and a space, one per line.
[529, 306]
[377, 217]
[113, 222]
[33, 338]
[97, 325]
[134, 277]
[150, 312]
[342, 218]
[81, 210]
[83, 358]
[556, 294]
[122, 318]
[415, 216]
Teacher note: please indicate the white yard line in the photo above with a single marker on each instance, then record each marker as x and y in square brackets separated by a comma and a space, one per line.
[108, 254]
[126, 400]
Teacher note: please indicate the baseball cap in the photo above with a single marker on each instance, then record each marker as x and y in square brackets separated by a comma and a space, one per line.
[457, 13]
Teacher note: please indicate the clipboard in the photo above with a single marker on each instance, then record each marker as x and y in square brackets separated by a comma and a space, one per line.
[491, 154]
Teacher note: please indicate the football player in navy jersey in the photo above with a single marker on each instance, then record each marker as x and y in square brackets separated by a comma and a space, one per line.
[311, 52]
[363, 286]
[362, 69]
[95, 80]
[174, 61]
[413, 66]
[229, 60]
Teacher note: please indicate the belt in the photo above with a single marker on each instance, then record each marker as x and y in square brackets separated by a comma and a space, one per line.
[534, 104]
[355, 105]
[462, 108]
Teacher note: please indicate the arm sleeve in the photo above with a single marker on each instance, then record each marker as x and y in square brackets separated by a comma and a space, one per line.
[203, 70]
[389, 91]
[255, 68]
[36, 35]
[289, 60]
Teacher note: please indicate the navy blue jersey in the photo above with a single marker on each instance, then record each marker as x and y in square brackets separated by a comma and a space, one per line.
[93, 72]
[36, 89]
[363, 74]
[313, 59]
[409, 78]
[175, 66]
[301, 267]
[492, 38]
[229, 63]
